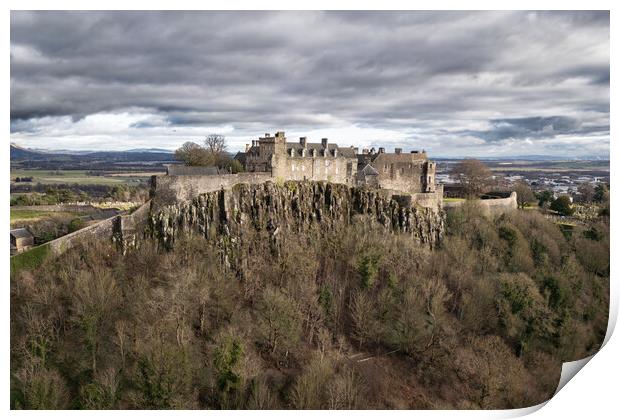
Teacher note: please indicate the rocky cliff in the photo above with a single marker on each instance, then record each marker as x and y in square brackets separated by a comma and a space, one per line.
[293, 206]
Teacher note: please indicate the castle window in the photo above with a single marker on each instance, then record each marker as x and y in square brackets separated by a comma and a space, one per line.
[402, 171]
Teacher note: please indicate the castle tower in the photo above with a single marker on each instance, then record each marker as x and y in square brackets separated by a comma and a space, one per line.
[280, 144]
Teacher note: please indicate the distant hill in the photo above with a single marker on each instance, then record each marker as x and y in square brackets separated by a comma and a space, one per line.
[62, 159]
[19, 153]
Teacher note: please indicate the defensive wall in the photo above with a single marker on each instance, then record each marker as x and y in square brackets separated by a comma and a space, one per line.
[178, 169]
[168, 189]
[122, 229]
[489, 207]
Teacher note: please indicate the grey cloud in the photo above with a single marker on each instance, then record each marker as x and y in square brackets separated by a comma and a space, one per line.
[314, 70]
[534, 128]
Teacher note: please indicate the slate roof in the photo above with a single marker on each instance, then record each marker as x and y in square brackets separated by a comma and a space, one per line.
[369, 170]
[21, 233]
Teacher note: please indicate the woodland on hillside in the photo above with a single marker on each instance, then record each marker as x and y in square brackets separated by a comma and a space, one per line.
[351, 320]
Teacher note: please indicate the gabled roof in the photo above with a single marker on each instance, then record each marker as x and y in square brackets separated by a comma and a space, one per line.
[21, 233]
[369, 170]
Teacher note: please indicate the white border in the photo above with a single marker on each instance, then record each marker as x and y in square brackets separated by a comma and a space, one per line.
[592, 394]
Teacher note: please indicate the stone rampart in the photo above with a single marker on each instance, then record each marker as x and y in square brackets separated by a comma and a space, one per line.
[490, 207]
[168, 189]
[101, 230]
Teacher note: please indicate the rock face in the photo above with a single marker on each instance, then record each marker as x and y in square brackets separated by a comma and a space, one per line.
[295, 206]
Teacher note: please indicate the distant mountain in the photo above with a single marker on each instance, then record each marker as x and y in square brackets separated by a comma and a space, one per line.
[22, 157]
[21, 153]
[150, 150]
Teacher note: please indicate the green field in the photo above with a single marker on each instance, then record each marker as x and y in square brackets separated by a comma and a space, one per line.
[77, 177]
[22, 216]
[32, 215]
[29, 259]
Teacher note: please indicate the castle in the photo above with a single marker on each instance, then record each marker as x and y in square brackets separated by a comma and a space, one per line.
[406, 172]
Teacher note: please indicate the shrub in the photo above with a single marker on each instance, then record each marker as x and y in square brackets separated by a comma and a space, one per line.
[562, 205]
[368, 268]
[76, 224]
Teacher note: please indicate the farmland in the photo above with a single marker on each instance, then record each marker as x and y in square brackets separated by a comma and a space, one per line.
[40, 176]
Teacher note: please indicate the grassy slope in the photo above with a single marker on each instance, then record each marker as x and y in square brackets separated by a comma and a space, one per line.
[29, 259]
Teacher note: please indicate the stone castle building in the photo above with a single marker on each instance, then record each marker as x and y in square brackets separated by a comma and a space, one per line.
[408, 172]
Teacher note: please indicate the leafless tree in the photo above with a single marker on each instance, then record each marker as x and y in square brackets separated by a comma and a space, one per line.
[473, 176]
[525, 195]
[216, 144]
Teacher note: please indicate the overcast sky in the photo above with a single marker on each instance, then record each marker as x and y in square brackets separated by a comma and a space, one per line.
[453, 83]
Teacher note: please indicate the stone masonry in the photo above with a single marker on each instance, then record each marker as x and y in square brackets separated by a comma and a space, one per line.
[299, 161]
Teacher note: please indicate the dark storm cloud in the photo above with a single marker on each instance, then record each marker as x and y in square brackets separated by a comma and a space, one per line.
[492, 76]
[531, 127]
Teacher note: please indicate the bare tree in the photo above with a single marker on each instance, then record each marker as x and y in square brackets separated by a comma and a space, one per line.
[586, 191]
[216, 144]
[473, 176]
[525, 195]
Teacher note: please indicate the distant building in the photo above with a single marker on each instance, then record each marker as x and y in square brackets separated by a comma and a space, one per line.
[21, 240]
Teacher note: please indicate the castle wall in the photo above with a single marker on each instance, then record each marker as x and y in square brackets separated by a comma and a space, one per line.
[339, 170]
[176, 170]
[97, 231]
[168, 189]
[407, 172]
[490, 207]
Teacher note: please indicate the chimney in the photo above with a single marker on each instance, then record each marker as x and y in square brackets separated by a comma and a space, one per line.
[280, 134]
[303, 142]
[414, 151]
[247, 147]
[324, 142]
[365, 151]
[267, 135]
[254, 143]
[336, 152]
[381, 149]
[398, 150]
